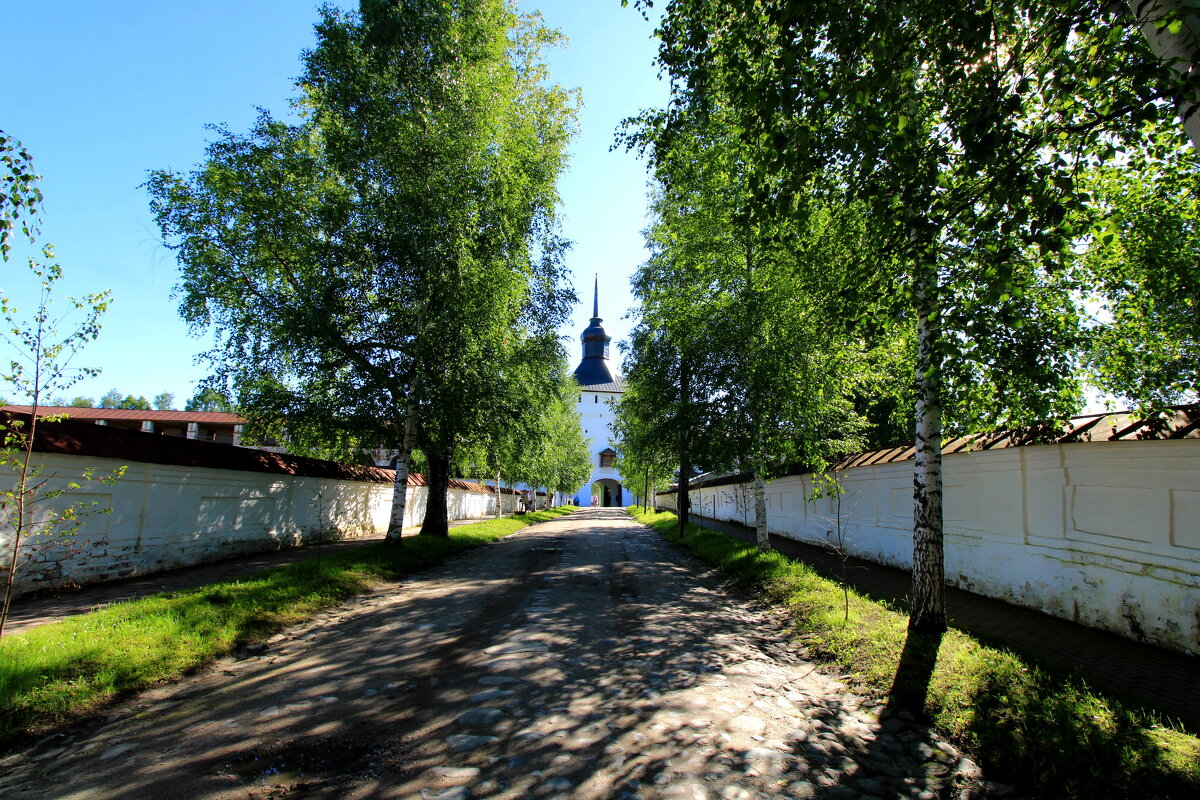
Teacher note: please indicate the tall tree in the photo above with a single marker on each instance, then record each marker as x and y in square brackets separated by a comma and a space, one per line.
[207, 398]
[136, 403]
[663, 356]
[961, 152]
[775, 378]
[562, 458]
[373, 269]
[643, 455]
[41, 349]
[111, 399]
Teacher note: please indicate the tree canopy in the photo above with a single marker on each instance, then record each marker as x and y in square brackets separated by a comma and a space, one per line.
[964, 156]
[386, 269]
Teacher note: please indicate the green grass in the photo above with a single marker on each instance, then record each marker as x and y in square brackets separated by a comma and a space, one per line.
[60, 671]
[1046, 732]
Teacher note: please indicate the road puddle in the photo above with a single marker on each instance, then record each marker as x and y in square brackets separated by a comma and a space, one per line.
[300, 762]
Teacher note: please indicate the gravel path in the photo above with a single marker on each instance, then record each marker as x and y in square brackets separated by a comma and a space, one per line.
[580, 658]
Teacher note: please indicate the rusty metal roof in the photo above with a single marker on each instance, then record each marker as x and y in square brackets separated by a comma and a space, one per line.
[135, 414]
[1177, 422]
[85, 438]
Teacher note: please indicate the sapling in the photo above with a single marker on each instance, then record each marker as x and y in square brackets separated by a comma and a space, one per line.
[41, 367]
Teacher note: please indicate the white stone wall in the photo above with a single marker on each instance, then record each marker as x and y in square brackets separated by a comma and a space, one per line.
[167, 516]
[1104, 533]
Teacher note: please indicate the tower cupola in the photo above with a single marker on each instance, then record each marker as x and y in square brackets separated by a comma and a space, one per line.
[595, 368]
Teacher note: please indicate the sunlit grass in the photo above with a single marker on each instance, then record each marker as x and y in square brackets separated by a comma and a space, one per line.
[1047, 732]
[58, 671]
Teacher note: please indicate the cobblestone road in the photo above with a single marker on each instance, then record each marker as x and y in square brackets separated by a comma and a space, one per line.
[581, 658]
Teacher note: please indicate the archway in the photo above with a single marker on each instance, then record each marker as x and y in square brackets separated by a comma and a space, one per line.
[607, 492]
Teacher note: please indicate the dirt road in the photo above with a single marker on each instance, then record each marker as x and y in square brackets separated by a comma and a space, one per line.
[581, 658]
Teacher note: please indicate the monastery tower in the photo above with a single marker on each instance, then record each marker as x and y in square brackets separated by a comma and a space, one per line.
[599, 383]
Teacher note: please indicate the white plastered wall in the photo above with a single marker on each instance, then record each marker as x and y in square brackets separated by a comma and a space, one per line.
[1105, 533]
[168, 516]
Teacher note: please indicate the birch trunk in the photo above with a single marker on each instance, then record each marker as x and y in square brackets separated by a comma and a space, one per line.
[499, 499]
[1176, 50]
[685, 463]
[395, 530]
[761, 535]
[928, 612]
[646, 492]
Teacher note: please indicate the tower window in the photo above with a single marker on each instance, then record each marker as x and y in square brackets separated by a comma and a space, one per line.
[606, 458]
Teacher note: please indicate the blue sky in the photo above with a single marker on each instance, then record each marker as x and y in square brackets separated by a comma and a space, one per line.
[101, 93]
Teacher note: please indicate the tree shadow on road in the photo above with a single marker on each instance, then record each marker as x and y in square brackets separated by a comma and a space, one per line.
[914, 671]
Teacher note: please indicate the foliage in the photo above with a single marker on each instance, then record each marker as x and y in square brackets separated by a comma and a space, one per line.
[82, 402]
[207, 398]
[658, 418]
[111, 399]
[775, 377]
[536, 437]
[552, 452]
[1141, 271]
[128, 402]
[19, 193]
[31, 514]
[164, 401]
[65, 669]
[384, 271]
[1046, 732]
[961, 154]
[644, 457]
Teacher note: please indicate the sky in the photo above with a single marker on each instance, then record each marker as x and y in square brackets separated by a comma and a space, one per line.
[103, 93]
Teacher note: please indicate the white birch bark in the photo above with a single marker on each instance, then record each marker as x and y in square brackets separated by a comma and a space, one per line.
[761, 535]
[1177, 50]
[928, 612]
[400, 487]
[499, 499]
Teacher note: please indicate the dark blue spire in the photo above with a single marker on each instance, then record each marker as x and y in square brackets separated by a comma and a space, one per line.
[595, 368]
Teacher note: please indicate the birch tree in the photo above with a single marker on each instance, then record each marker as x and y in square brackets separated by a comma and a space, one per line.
[962, 151]
[368, 270]
[777, 382]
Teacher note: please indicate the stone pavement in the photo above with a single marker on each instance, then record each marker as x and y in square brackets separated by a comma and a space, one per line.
[38, 609]
[1164, 680]
[581, 658]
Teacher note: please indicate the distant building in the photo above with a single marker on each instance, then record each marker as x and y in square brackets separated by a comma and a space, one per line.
[206, 426]
[600, 384]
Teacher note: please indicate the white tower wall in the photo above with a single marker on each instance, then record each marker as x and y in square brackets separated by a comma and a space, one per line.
[596, 413]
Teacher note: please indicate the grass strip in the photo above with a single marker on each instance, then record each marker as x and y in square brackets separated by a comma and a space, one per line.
[60, 671]
[1043, 731]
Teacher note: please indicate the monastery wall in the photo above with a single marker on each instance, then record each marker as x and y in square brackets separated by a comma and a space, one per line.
[165, 516]
[1103, 533]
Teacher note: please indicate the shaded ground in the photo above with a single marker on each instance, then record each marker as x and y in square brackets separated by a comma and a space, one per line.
[1161, 679]
[38, 609]
[580, 658]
